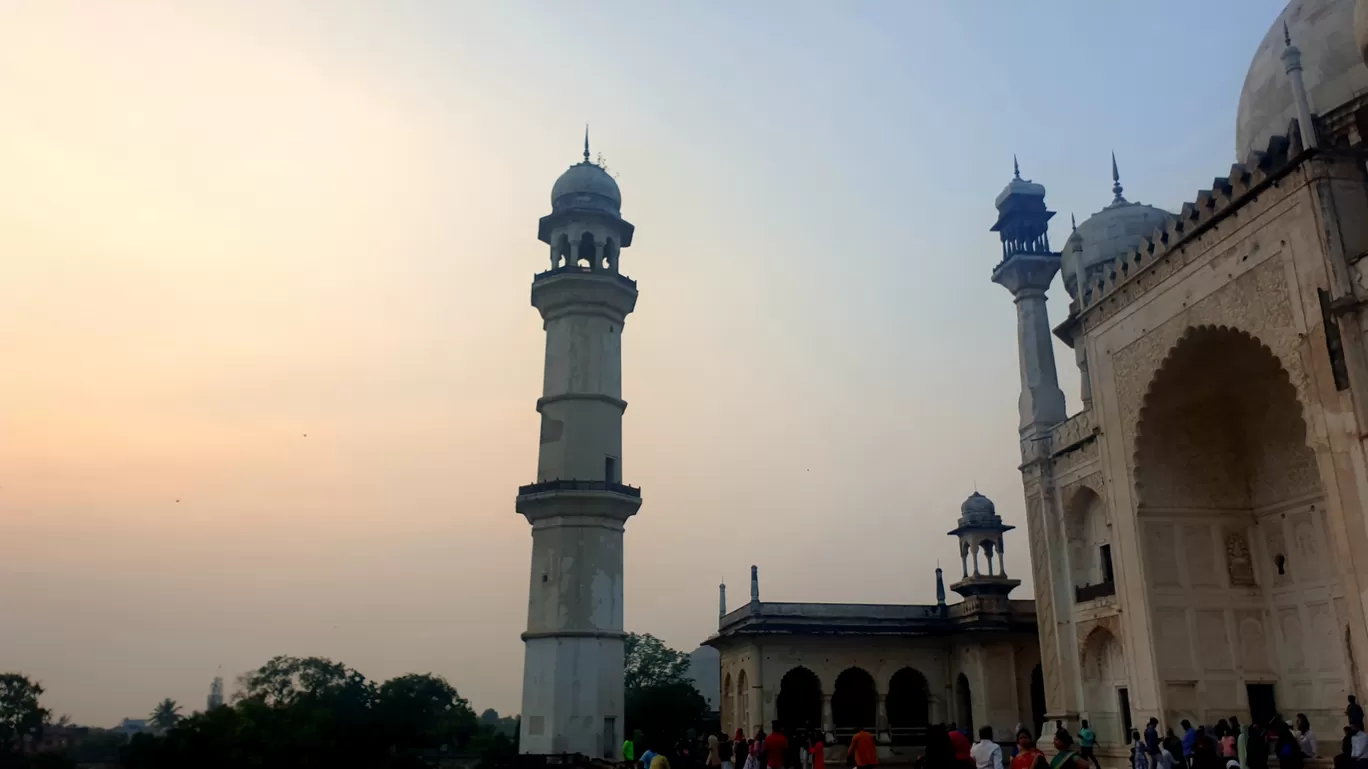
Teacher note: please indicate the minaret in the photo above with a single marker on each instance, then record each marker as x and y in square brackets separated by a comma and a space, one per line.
[721, 602]
[573, 665]
[1291, 57]
[755, 590]
[940, 588]
[1027, 268]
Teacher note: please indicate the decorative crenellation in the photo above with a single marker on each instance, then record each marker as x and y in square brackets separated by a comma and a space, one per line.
[1246, 181]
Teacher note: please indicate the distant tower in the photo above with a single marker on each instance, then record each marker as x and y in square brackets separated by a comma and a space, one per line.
[215, 693]
[1292, 65]
[980, 533]
[573, 664]
[1027, 268]
[940, 588]
[721, 602]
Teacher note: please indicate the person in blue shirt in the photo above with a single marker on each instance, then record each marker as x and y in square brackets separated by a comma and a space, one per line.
[1087, 742]
[1189, 739]
[1152, 742]
[647, 758]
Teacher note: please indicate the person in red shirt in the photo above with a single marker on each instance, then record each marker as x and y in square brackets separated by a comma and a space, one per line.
[818, 751]
[961, 745]
[863, 752]
[776, 748]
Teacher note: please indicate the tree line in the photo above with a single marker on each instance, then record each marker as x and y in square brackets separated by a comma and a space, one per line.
[305, 712]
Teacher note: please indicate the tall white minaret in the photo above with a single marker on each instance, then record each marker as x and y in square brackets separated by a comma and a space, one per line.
[573, 665]
[1292, 65]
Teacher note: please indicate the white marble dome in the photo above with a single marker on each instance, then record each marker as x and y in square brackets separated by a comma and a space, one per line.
[978, 509]
[1332, 68]
[1107, 234]
[586, 187]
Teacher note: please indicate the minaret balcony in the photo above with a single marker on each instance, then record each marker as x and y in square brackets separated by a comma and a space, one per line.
[578, 498]
[575, 288]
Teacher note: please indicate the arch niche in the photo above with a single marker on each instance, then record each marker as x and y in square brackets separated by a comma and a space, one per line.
[908, 704]
[854, 701]
[1104, 674]
[799, 705]
[1229, 502]
[1085, 528]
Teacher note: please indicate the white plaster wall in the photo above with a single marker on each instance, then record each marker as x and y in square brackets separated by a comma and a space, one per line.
[576, 576]
[570, 686]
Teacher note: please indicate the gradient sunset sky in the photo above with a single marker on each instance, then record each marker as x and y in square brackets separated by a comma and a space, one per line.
[268, 365]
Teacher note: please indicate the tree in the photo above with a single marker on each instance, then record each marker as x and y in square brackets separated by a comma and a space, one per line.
[165, 715]
[660, 699]
[284, 681]
[649, 662]
[424, 712]
[21, 715]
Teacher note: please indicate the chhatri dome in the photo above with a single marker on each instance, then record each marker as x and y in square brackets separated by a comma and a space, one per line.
[1332, 69]
[978, 509]
[1107, 234]
[585, 186]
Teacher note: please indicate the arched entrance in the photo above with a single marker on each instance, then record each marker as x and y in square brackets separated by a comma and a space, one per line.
[1037, 701]
[908, 704]
[1230, 506]
[729, 722]
[799, 705]
[964, 704]
[854, 702]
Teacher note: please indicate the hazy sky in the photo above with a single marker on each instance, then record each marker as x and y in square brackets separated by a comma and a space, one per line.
[226, 225]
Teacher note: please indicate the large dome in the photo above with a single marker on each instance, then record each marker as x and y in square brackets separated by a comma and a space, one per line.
[1332, 68]
[586, 187]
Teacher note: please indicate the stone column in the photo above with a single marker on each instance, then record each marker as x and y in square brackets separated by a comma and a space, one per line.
[828, 724]
[880, 714]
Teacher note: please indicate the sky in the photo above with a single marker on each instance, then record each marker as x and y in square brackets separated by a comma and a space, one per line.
[268, 367]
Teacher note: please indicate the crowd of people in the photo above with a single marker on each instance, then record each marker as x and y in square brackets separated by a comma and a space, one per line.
[1232, 745]
[1226, 745]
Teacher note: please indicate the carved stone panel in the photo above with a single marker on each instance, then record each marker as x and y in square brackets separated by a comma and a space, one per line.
[1199, 553]
[1292, 654]
[1215, 642]
[1253, 643]
[1239, 563]
[1161, 554]
[1174, 652]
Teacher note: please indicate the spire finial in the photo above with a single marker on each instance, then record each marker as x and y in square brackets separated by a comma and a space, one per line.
[1073, 222]
[586, 142]
[1016, 167]
[1287, 35]
[1116, 182]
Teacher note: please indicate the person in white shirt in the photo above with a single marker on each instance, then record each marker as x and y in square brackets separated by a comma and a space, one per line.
[1358, 745]
[1305, 737]
[986, 753]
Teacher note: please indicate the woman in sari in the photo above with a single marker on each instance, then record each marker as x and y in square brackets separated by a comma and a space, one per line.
[1065, 756]
[1028, 755]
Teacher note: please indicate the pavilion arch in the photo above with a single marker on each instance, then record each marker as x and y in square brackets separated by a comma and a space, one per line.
[729, 722]
[743, 721]
[964, 704]
[561, 254]
[799, 704]
[908, 704]
[854, 700]
[1087, 532]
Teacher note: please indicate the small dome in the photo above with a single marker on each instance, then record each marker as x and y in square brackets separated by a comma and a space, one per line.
[1332, 69]
[977, 507]
[586, 187]
[1107, 234]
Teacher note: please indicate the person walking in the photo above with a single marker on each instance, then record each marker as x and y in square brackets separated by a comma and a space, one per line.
[725, 752]
[777, 748]
[1087, 741]
[818, 750]
[986, 754]
[714, 760]
[1066, 757]
[862, 751]
[1355, 714]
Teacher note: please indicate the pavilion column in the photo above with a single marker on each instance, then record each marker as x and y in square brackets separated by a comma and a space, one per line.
[880, 714]
[828, 724]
